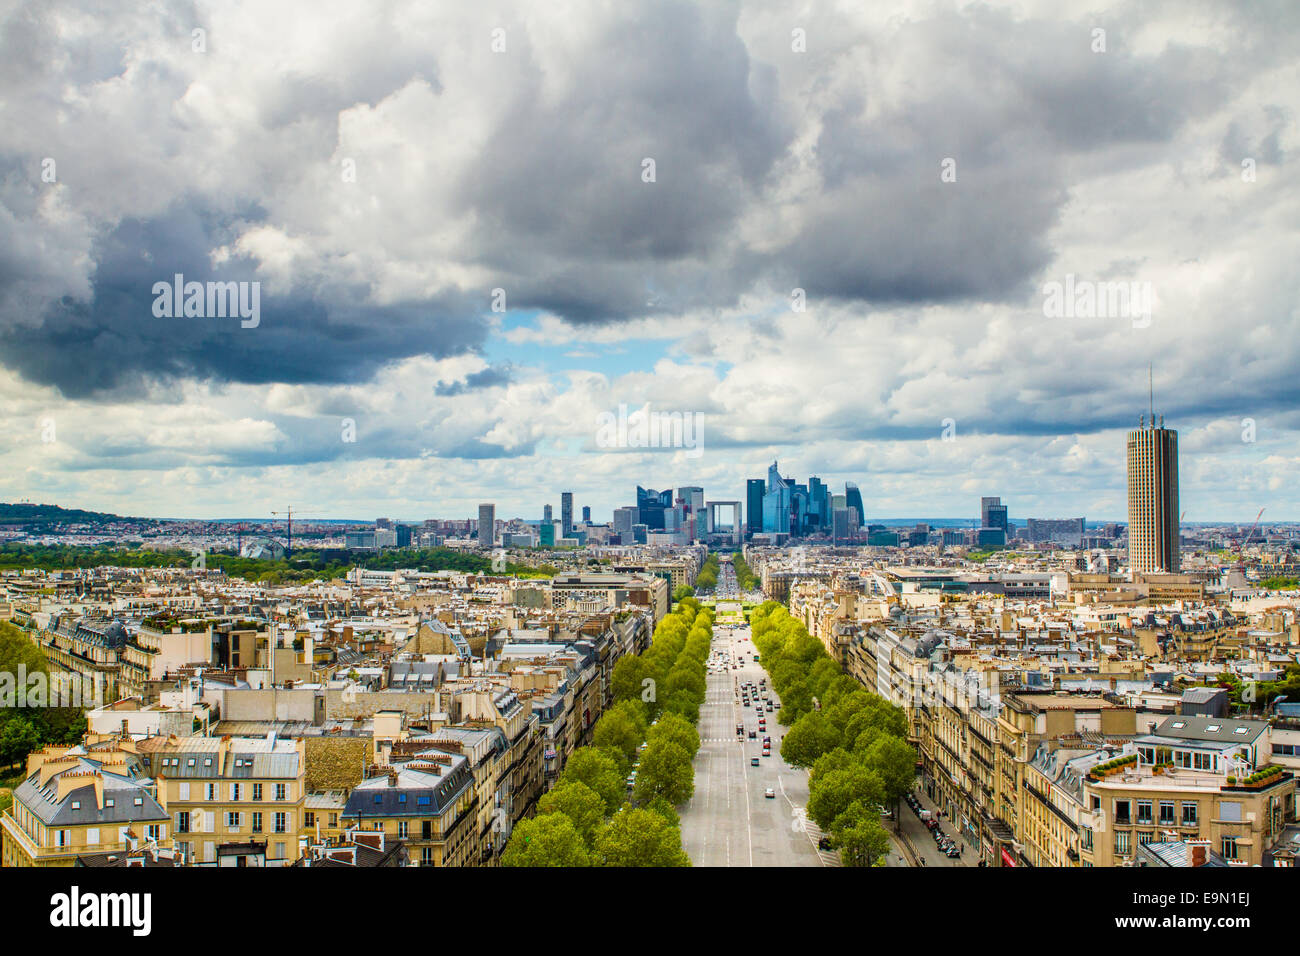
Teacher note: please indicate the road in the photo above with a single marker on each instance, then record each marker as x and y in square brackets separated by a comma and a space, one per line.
[729, 821]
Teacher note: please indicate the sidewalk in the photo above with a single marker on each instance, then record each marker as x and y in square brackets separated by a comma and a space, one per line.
[923, 842]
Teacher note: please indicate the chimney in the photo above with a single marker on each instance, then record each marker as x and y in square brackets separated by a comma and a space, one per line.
[1198, 850]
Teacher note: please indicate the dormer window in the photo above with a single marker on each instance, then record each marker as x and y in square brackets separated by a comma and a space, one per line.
[76, 804]
[1212, 729]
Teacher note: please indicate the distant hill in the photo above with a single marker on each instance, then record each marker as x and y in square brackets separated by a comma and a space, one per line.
[37, 517]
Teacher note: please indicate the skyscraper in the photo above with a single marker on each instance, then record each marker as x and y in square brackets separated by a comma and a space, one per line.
[586, 514]
[993, 514]
[548, 513]
[487, 519]
[754, 489]
[651, 505]
[853, 499]
[566, 513]
[1153, 497]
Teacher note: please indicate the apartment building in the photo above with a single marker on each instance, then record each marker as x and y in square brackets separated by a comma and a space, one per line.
[1194, 778]
[94, 797]
[429, 802]
[234, 791]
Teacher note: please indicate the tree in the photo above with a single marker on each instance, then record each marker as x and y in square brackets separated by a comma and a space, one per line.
[895, 762]
[666, 772]
[811, 736]
[18, 738]
[683, 592]
[548, 840]
[635, 837]
[834, 792]
[622, 727]
[599, 772]
[860, 838]
[679, 730]
[625, 681]
[577, 801]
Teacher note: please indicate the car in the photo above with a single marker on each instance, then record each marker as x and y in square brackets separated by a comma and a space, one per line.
[753, 761]
[746, 702]
[752, 735]
[740, 728]
[767, 752]
[631, 781]
[769, 793]
[769, 708]
[954, 852]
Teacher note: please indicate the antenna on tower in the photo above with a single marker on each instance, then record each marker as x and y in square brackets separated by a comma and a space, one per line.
[1152, 392]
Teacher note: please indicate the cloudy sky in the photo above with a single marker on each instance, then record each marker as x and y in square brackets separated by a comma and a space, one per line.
[477, 227]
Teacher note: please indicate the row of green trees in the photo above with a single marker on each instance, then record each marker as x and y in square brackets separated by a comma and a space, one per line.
[853, 741]
[585, 819]
[24, 729]
[707, 579]
[306, 564]
[745, 579]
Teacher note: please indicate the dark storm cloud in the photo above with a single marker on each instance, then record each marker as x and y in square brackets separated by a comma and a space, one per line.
[488, 378]
[560, 193]
[113, 341]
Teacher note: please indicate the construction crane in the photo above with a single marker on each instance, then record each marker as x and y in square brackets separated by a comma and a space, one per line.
[1242, 543]
[288, 514]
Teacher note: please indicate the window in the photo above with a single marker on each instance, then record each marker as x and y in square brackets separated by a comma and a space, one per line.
[212, 791]
[139, 801]
[108, 801]
[1230, 811]
[1085, 838]
[76, 804]
[257, 821]
[234, 791]
[1144, 812]
[403, 828]
[1166, 813]
[1189, 814]
[1229, 848]
[61, 837]
[1121, 842]
[426, 829]
[309, 819]
[1204, 761]
[155, 832]
[1145, 837]
[92, 836]
[280, 791]
[232, 821]
[281, 823]
[334, 819]
[183, 791]
[183, 822]
[1123, 812]
[257, 791]
[426, 856]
